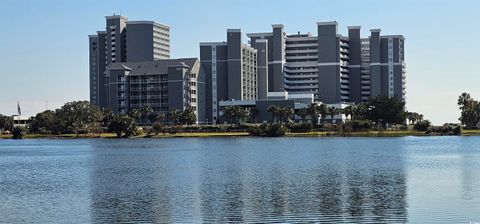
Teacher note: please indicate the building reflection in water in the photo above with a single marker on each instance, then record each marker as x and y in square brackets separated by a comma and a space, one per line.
[245, 180]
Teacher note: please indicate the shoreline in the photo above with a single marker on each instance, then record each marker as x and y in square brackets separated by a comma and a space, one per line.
[244, 134]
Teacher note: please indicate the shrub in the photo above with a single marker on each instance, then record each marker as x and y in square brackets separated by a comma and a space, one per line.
[330, 127]
[18, 132]
[301, 128]
[422, 125]
[139, 131]
[347, 128]
[268, 130]
[457, 130]
[157, 127]
[360, 125]
[446, 129]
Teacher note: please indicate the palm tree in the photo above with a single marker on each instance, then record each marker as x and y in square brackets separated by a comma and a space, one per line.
[175, 115]
[236, 114]
[312, 110]
[145, 112]
[464, 101]
[253, 112]
[274, 110]
[322, 110]
[410, 117]
[285, 114]
[160, 117]
[419, 117]
[348, 111]
[360, 111]
[332, 111]
[302, 113]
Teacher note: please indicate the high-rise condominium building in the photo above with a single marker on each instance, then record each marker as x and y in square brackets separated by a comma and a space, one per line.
[161, 84]
[144, 41]
[333, 67]
[230, 71]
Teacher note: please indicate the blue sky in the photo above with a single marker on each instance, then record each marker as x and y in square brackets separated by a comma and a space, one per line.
[44, 44]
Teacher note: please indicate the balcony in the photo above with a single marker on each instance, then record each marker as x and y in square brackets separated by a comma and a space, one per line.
[301, 81]
[303, 45]
[308, 70]
[345, 51]
[344, 44]
[299, 75]
[301, 51]
[314, 86]
[305, 57]
[344, 92]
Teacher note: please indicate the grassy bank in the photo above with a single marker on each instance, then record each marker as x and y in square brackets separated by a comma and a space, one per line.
[359, 134]
[475, 132]
[243, 134]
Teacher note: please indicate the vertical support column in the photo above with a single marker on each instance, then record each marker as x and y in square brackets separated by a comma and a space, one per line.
[278, 58]
[176, 86]
[391, 86]
[235, 70]
[375, 63]
[328, 62]
[355, 62]
[262, 68]
[214, 83]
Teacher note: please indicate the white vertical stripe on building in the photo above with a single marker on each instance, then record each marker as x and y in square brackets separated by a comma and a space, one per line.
[391, 92]
[214, 83]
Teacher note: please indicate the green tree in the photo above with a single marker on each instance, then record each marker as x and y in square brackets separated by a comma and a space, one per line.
[43, 123]
[188, 116]
[360, 111]
[18, 132]
[303, 114]
[386, 110]
[135, 114]
[175, 116]
[422, 125]
[6, 123]
[348, 111]
[158, 124]
[107, 117]
[470, 111]
[145, 113]
[332, 111]
[322, 110]
[313, 111]
[236, 114]
[274, 110]
[253, 112]
[78, 116]
[123, 124]
[285, 114]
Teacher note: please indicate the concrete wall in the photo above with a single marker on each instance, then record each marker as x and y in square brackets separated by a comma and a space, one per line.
[328, 63]
[93, 69]
[102, 89]
[278, 59]
[206, 67]
[355, 61]
[262, 106]
[140, 42]
[375, 67]
[176, 87]
[120, 32]
[234, 55]
[262, 68]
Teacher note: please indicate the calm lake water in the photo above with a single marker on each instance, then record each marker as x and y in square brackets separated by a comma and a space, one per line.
[366, 180]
